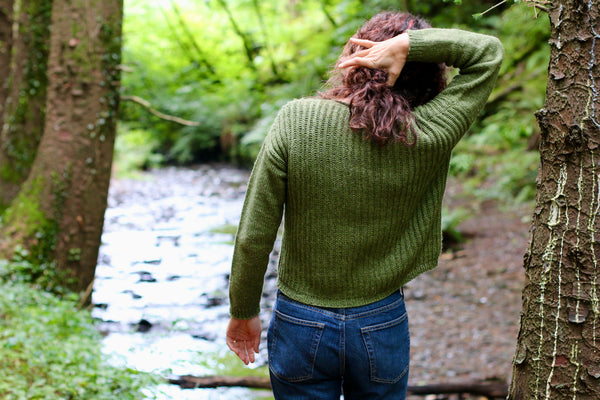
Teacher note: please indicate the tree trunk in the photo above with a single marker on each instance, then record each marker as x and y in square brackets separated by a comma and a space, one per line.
[24, 97]
[59, 212]
[558, 349]
[244, 36]
[6, 7]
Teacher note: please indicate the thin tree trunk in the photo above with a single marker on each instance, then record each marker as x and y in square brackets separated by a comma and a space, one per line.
[265, 37]
[6, 7]
[59, 212]
[558, 349]
[246, 39]
[324, 7]
[25, 96]
[201, 55]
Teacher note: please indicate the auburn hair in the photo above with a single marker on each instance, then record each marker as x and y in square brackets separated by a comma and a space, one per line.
[384, 113]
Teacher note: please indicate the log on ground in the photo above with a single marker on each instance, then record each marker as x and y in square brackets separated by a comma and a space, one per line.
[491, 390]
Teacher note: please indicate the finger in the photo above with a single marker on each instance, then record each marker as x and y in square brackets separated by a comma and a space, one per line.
[356, 62]
[359, 54]
[392, 78]
[363, 42]
[393, 74]
[249, 354]
[239, 348]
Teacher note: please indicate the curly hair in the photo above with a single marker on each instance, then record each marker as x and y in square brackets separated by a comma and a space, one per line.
[382, 113]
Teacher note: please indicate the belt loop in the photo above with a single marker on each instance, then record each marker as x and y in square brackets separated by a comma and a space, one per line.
[402, 291]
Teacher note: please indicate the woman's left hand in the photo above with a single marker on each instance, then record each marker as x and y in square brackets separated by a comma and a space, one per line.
[243, 337]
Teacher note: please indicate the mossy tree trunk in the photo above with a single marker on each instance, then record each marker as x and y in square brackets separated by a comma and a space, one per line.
[59, 212]
[24, 99]
[558, 350]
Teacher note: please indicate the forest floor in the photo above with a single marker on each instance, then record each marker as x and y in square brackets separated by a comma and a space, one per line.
[464, 315]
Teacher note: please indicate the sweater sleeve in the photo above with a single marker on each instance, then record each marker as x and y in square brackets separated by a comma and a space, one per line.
[478, 58]
[260, 221]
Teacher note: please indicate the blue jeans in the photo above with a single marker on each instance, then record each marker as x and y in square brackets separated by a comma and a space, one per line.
[319, 353]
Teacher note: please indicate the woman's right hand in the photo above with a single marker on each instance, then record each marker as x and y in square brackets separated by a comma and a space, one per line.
[243, 337]
[389, 55]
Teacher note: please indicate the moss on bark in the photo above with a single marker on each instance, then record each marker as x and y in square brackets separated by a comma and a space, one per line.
[24, 110]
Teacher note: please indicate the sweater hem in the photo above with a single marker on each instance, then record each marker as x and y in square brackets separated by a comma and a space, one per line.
[345, 302]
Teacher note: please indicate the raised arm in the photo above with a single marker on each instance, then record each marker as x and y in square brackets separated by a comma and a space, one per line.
[478, 58]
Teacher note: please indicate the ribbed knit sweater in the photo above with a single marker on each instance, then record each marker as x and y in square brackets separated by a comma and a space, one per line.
[360, 220]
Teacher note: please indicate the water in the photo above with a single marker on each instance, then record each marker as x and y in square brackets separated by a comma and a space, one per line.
[161, 282]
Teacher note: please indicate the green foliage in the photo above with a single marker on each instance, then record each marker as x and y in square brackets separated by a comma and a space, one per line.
[135, 149]
[450, 221]
[227, 229]
[42, 276]
[499, 159]
[49, 350]
[267, 53]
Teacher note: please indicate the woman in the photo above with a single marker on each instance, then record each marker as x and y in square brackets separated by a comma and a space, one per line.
[360, 173]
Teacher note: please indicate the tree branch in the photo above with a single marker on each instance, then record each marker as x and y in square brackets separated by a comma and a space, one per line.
[491, 390]
[501, 96]
[146, 104]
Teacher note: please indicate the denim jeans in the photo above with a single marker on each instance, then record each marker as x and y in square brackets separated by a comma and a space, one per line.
[319, 353]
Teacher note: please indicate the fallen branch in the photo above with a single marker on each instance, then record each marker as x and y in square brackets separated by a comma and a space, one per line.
[491, 390]
[146, 104]
[196, 382]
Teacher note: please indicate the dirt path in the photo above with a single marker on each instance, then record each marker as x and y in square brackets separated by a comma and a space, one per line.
[464, 315]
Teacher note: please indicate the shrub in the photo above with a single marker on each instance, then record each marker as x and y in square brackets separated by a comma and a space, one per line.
[50, 350]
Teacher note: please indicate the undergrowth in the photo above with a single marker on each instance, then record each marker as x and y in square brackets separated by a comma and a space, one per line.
[51, 350]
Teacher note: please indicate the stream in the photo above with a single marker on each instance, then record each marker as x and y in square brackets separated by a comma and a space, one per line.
[160, 293]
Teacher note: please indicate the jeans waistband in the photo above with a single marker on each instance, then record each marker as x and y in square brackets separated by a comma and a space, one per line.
[389, 302]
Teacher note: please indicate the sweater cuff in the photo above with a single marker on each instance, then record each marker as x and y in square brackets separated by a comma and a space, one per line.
[416, 45]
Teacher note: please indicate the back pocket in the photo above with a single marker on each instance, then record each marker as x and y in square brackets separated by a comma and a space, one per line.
[388, 348]
[293, 345]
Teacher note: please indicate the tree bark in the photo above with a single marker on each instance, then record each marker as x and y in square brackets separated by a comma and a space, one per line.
[24, 97]
[59, 212]
[6, 7]
[558, 349]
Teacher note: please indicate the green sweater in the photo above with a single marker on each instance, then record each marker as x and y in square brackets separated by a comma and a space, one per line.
[360, 220]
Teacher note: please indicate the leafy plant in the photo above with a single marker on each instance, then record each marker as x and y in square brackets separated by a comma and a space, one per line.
[450, 221]
[50, 350]
[43, 276]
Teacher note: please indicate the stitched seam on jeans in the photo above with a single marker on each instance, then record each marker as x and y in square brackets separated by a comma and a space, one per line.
[366, 333]
[387, 324]
[316, 340]
[294, 303]
[342, 346]
[299, 321]
[377, 310]
[379, 380]
[362, 314]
